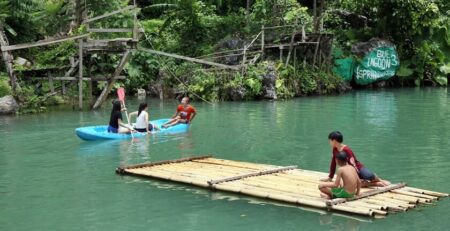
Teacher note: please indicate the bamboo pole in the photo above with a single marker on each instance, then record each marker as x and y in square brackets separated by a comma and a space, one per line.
[280, 180]
[212, 171]
[207, 174]
[303, 192]
[172, 178]
[368, 193]
[376, 209]
[368, 204]
[314, 192]
[224, 163]
[388, 204]
[415, 194]
[428, 192]
[392, 201]
[344, 208]
[263, 172]
[219, 166]
[278, 197]
[272, 187]
[382, 201]
[273, 194]
[240, 163]
[299, 177]
[42, 43]
[410, 199]
[161, 162]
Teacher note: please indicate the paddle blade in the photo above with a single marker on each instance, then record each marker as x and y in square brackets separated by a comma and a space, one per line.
[121, 94]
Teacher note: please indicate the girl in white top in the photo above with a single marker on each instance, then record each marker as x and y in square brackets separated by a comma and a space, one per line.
[142, 119]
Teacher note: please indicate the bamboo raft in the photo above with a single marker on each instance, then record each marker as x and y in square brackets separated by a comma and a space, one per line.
[286, 184]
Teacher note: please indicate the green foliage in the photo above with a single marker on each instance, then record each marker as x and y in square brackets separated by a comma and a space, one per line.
[420, 30]
[142, 69]
[253, 79]
[54, 100]
[4, 11]
[279, 12]
[204, 84]
[445, 69]
[5, 89]
[56, 56]
[305, 81]
[29, 102]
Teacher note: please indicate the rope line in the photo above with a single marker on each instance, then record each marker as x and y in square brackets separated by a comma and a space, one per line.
[165, 67]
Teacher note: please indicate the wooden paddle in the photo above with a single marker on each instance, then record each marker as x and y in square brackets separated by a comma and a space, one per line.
[121, 95]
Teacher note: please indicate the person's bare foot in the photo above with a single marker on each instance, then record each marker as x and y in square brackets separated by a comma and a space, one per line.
[325, 196]
[384, 183]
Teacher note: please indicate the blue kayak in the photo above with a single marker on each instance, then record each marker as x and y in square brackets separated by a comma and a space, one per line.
[101, 133]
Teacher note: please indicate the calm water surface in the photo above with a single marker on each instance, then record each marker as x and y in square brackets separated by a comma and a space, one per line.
[52, 180]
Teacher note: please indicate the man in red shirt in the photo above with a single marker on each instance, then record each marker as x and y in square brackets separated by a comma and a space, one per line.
[185, 114]
[368, 178]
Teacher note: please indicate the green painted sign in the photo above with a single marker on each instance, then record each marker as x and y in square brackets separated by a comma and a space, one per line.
[379, 64]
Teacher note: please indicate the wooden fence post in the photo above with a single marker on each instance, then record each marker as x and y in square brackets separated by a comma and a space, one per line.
[262, 42]
[80, 75]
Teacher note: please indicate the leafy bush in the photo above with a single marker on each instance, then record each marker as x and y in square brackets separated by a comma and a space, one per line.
[420, 29]
[29, 102]
[5, 89]
[54, 100]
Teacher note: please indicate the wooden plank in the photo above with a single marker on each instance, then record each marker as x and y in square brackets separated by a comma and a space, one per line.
[110, 83]
[218, 53]
[50, 83]
[262, 42]
[315, 52]
[8, 59]
[366, 194]
[188, 58]
[292, 42]
[85, 78]
[90, 82]
[109, 30]
[80, 74]
[122, 170]
[259, 173]
[276, 27]
[72, 69]
[287, 44]
[108, 14]
[42, 43]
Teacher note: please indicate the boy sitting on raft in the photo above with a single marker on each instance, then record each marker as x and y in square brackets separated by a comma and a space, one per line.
[368, 177]
[350, 179]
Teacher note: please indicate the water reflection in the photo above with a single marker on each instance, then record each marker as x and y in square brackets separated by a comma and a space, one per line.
[332, 223]
[379, 109]
[341, 221]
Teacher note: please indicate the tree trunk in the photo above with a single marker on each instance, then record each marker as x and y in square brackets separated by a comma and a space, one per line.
[77, 13]
[318, 15]
[247, 13]
[8, 59]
